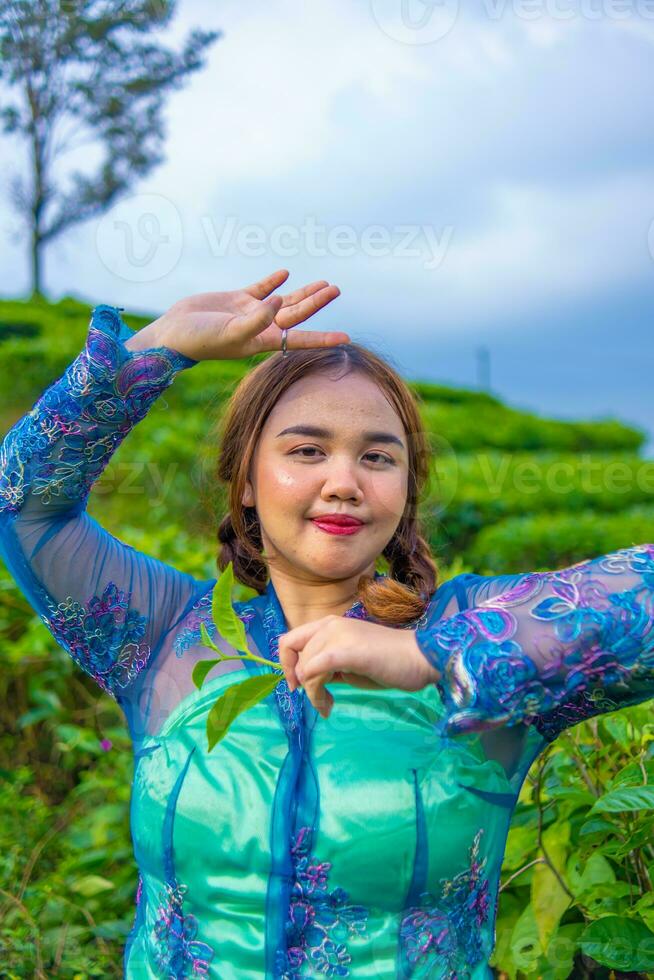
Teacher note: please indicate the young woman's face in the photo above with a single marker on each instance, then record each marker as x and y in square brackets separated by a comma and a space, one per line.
[357, 467]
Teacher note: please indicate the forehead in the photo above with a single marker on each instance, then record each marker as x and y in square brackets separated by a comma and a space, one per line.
[344, 402]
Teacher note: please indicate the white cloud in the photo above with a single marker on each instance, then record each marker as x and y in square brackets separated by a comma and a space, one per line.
[264, 105]
[541, 247]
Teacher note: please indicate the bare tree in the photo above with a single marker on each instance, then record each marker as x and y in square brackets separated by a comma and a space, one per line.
[86, 71]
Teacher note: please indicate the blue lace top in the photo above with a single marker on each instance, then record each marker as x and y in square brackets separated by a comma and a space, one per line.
[302, 846]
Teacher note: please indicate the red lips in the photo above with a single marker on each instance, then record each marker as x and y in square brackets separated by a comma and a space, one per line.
[340, 520]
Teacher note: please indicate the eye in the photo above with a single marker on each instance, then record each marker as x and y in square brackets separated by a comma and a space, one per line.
[382, 456]
[303, 449]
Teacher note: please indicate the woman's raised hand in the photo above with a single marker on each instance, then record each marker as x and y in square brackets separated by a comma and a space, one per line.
[224, 326]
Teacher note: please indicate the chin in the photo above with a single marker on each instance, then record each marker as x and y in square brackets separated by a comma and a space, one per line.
[336, 568]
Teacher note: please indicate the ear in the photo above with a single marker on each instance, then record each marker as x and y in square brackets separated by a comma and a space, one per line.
[248, 495]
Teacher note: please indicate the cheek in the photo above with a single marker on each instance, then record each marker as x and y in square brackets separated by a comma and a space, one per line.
[388, 497]
[282, 487]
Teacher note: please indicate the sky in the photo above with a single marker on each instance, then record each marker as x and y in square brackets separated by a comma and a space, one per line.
[469, 178]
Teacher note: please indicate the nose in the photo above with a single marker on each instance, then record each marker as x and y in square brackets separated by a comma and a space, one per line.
[341, 482]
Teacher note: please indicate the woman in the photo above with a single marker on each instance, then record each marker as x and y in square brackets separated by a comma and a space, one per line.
[353, 832]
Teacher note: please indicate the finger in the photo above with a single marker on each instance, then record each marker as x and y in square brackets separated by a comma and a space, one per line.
[288, 659]
[318, 694]
[292, 643]
[240, 298]
[299, 294]
[264, 287]
[360, 680]
[297, 646]
[292, 313]
[299, 636]
[251, 324]
[326, 663]
[338, 677]
[306, 339]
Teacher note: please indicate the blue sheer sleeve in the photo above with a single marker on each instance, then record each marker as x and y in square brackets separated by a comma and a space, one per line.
[547, 649]
[104, 602]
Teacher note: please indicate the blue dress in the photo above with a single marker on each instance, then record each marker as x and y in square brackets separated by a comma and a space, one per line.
[365, 845]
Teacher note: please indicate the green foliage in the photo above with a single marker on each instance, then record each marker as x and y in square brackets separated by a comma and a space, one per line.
[236, 699]
[67, 879]
[240, 695]
[494, 504]
[547, 541]
[227, 622]
[579, 863]
[517, 511]
[469, 426]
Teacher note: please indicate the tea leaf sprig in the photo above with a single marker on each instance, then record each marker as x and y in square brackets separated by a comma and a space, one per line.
[244, 694]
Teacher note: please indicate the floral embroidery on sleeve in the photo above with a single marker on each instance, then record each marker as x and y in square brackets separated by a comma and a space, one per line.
[62, 445]
[533, 649]
[78, 577]
[103, 635]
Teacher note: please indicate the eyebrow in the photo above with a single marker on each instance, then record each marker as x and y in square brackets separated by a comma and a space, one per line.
[319, 433]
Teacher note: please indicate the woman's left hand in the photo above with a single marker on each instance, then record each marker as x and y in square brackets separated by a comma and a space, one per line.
[351, 651]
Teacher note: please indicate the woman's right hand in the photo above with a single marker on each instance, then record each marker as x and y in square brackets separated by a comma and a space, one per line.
[224, 326]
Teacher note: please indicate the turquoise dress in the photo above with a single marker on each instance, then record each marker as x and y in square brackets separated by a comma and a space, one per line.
[365, 845]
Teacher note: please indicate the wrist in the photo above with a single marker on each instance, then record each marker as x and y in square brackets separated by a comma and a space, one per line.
[430, 673]
[145, 338]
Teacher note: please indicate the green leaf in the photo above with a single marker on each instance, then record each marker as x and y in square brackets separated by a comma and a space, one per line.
[236, 699]
[208, 642]
[525, 942]
[117, 929]
[229, 625]
[645, 905]
[632, 775]
[558, 961]
[572, 794]
[549, 898]
[627, 798]
[201, 670]
[597, 825]
[618, 942]
[46, 698]
[34, 715]
[606, 899]
[640, 834]
[595, 871]
[520, 846]
[91, 885]
[618, 728]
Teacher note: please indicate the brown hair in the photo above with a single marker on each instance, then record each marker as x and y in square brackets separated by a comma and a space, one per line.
[403, 595]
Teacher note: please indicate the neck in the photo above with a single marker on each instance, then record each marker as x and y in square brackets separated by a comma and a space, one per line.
[303, 601]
